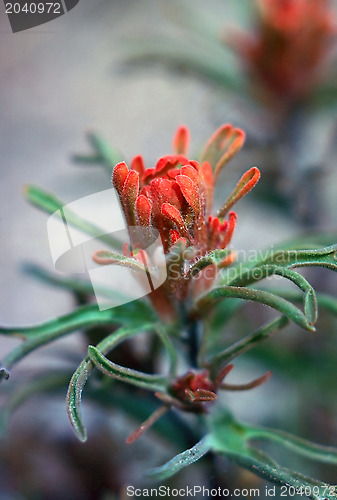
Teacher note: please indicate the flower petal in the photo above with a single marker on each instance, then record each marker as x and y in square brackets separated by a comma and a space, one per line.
[174, 215]
[137, 164]
[222, 146]
[181, 140]
[119, 175]
[190, 190]
[247, 182]
[230, 229]
[143, 207]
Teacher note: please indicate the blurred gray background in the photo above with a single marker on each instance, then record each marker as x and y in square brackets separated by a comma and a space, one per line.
[64, 78]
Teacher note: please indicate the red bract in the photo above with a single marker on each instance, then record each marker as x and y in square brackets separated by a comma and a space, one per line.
[175, 198]
[197, 387]
[291, 41]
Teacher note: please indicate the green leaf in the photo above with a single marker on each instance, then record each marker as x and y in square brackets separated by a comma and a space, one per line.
[319, 257]
[103, 153]
[71, 283]
[231, 438]
[82, 318]
[49, 203]
[291, 252]
[82, 373]
[283, 306]
[215, 257]
[241, 346]
[180, 461]
[74, 398]
[301, 446]
[248, 276]
[134, 377]
[324, 301]
[171, 351]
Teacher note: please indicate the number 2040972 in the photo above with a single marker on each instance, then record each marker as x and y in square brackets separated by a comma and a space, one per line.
[33, 8]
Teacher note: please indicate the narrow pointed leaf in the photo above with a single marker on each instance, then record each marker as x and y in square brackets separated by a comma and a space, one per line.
[271, 471]
[180, 461]
[134, 377]
[248, 276]
[216, 257]
[283, 306]
[230, 438]
[79, 378]
[74, 398]
[82, 318]
[324, 301]
[74, 284]
[321, 257]
[81, 375]
[301, 446]
[241, 346]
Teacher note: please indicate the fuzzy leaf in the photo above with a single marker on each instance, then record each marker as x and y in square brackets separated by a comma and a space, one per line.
[216, 257]
[227, 355]
[84, 317]
[248, 276]
[231, 438]
[325, 301]
[180, 461]
[321, 257]
[134, 377]
[261, 296]
[314, 451]
[79, 378]
[74, 398]
[81, 375]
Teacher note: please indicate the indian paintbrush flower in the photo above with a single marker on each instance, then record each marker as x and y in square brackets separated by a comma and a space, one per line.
[291, 43]
[176, 199]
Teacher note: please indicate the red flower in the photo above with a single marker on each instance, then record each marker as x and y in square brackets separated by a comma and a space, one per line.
[175, 198]
[193, 392]
[291, 42]
[198, 388]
